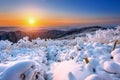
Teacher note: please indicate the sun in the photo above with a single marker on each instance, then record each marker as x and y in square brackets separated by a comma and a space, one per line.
[31, 21]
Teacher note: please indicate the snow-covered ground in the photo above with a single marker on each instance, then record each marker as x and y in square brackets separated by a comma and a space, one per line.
[90, 57]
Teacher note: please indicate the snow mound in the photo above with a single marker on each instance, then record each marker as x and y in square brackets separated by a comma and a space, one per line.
[116, 51]
[22, 70]
[116, 55]
[69, 70]
[116, 58]
[93, 77]
[111, 67]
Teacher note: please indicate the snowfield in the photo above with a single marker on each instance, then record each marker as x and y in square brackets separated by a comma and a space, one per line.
[90, 57]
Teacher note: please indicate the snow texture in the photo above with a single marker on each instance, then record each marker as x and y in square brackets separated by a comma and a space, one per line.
[65, 59]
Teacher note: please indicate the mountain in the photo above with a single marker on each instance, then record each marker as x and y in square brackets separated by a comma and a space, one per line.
[14, 36]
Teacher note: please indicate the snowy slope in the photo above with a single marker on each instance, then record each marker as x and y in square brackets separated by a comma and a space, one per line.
[90, 57]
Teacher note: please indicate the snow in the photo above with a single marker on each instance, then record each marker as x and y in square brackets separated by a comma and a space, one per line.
[69, 70]
[41, 59]
[93, 77]
[116, 51]
[14, 70]
[116, 58]
[111, 67]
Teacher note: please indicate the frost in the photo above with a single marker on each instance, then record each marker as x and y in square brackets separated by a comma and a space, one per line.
[49, 59]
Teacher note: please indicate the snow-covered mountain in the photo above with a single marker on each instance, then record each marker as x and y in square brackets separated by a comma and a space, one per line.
[14, 36]
[89, 57]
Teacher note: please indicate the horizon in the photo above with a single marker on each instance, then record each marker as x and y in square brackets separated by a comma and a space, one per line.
[61, 28]
[59, 13]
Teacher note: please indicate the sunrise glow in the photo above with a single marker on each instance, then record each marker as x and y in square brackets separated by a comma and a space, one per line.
[58, 13]
[31, 21]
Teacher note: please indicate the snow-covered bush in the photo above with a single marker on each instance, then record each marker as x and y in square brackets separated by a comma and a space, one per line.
[5, 44]
[104, 36]
[23, 43]
[101, 36]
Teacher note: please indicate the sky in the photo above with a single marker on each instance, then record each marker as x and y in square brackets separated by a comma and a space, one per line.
[59, 12]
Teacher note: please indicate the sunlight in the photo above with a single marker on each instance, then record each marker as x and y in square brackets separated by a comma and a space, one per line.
[31, 21]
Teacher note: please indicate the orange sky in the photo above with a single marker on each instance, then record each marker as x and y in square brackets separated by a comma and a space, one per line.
[22, 20]
[44, 18]
[59, 13]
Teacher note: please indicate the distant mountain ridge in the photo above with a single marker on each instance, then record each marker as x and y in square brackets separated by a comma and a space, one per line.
[14, 36]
